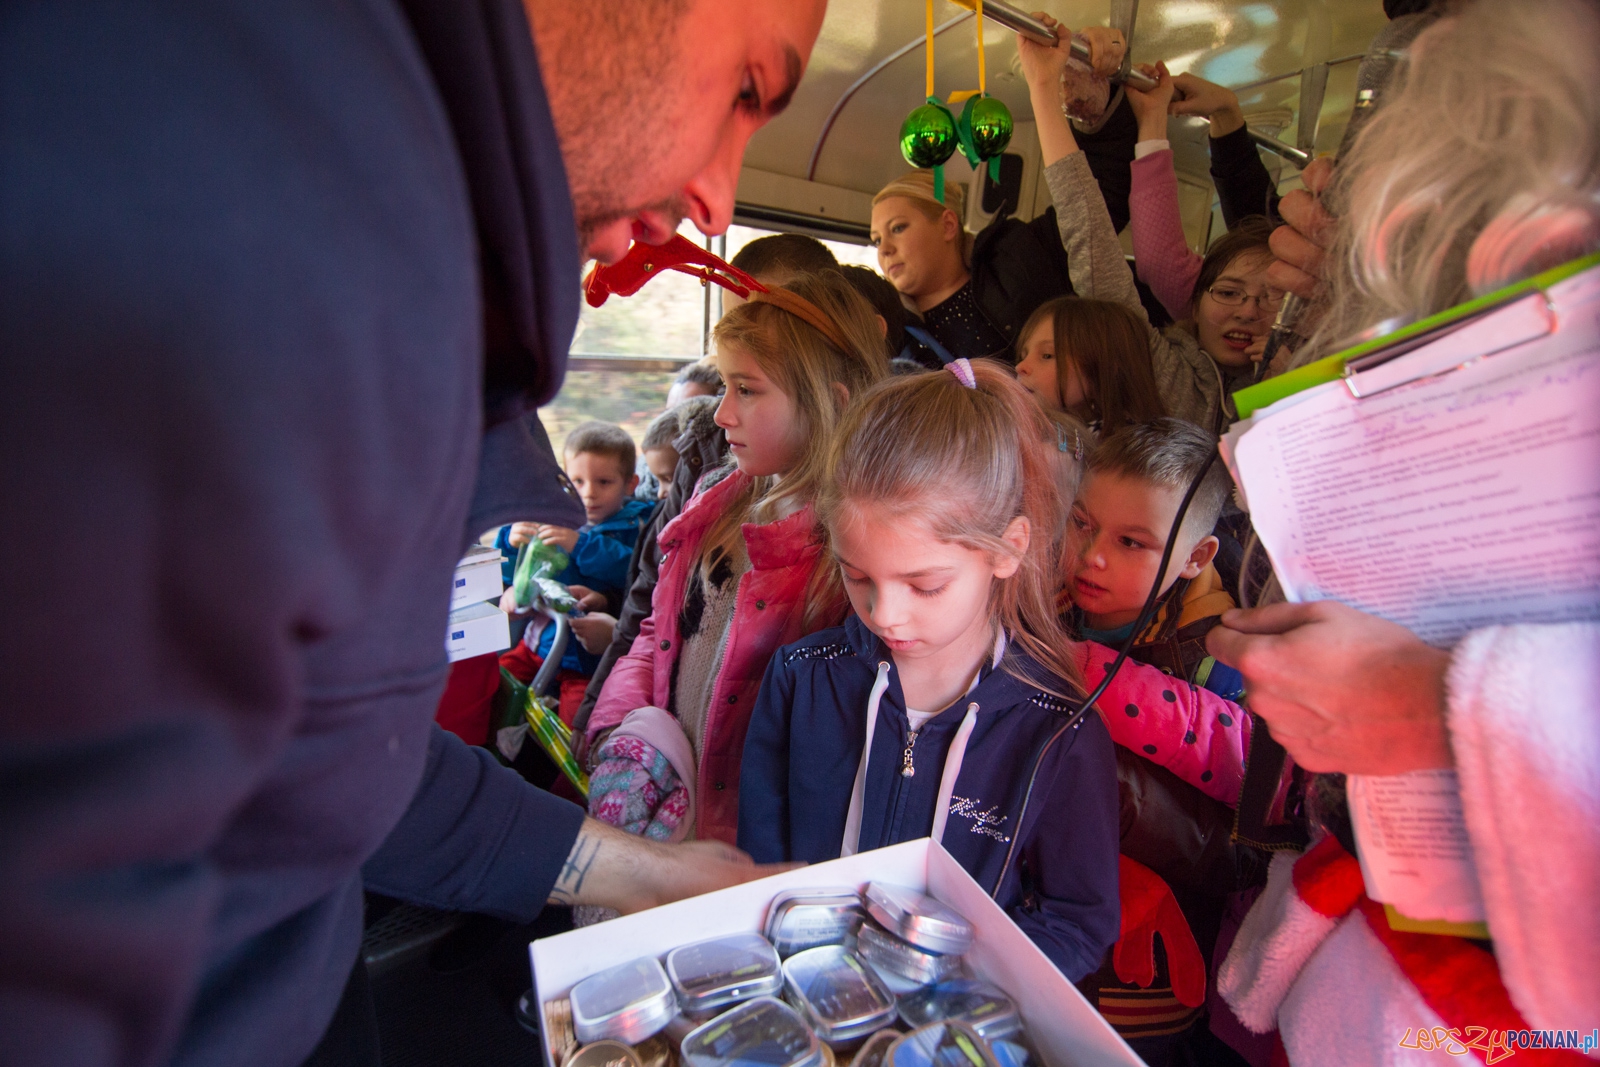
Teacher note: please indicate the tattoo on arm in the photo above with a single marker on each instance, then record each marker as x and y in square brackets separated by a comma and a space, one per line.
[573, 872]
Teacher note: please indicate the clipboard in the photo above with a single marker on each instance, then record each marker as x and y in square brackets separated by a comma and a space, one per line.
[1407, 503]
[1354, 364]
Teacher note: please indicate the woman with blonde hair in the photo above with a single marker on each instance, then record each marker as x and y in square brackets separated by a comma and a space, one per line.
[742, 567]
[1481, 168]
[973, 293]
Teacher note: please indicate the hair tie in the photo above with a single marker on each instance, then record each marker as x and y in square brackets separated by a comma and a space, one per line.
[962, 369]
[805, 310]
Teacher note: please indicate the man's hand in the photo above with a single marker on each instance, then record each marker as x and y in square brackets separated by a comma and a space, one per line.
[593, 631]
[1150, 108]
[1299, 244]
[616, 870]
[521, 533]
[1217, 103]
[560, 536]
[1342, 690]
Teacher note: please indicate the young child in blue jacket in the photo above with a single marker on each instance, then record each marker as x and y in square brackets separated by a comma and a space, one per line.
[940, 708]
[599, 459]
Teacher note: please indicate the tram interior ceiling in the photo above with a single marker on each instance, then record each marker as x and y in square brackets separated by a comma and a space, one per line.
[814, 169]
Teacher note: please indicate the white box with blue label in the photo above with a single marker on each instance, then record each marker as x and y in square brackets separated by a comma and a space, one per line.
[477, 577]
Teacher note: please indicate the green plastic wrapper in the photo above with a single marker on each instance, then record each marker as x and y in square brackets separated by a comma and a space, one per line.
[538, 564]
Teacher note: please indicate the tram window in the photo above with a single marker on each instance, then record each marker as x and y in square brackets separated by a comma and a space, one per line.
[626, 352]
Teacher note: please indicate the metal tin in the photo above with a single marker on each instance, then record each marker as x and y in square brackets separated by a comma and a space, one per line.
[758, 1033]
[626, 1003]
[888, 953]
[941, 1044]
[605, 1054]
[841, 999]
[872, 1054]
[969, 1000]
[721, 971]
[918, 918]
[806, 918]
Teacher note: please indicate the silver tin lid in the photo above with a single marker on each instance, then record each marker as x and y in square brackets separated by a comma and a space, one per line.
[758, 1033]
[605, 1054]
[888, 953]
[840, 998]
[723, 970]
[918, 918]
[806, 918]
[625, 1003]
[941, 1044]
[969, 1000]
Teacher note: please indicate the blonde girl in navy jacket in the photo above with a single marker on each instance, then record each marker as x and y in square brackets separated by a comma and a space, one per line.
[953, 672]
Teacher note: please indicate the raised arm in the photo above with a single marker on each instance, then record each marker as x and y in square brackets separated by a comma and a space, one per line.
[1244, 186]
[1094, 257]
[1161, 257]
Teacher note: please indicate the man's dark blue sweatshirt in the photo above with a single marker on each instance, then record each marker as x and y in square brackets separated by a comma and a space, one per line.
[1033, 816]
[279, 282]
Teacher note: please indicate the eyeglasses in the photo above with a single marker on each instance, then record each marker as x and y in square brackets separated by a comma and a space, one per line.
[1232, 296]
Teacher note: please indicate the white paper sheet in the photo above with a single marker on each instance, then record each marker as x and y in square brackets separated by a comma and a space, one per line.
[1463, 499]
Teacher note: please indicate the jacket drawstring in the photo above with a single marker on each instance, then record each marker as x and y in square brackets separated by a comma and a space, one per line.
[852, 823]
[952, 759]
[952, 767]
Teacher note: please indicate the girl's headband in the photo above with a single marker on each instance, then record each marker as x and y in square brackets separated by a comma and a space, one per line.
[962, 369]
[643, 262]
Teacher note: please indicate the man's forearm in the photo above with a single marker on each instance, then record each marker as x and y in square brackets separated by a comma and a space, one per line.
[613, 869]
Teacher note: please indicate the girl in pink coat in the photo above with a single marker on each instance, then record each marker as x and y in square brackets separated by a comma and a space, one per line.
[741, 567]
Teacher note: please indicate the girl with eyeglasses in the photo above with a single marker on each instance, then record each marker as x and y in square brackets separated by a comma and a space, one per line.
[1196, 364]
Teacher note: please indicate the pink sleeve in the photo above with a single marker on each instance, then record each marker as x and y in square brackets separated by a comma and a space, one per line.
[630, 685]
[1161, 258]
[1191, 732]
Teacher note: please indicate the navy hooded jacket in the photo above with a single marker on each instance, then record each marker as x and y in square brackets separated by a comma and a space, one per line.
[278, 282]
[1033, 816]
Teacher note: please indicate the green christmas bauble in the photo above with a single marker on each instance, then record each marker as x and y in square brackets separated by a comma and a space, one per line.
[928, 136]
[990, 122]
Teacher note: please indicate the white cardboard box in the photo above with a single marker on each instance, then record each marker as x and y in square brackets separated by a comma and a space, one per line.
[476, 629]
[477, 577]
[1064, 1027]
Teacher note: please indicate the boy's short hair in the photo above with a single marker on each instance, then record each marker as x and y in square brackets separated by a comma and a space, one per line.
[775, 259]
[662, 431]
[602, 439]
[1168, 452]
[700, 372]
[885, 300]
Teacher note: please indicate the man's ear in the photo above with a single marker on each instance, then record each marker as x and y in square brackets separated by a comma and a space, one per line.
[633, 483]
[841, 395]
[1018, 534]
[883, 326]
[1200, 556]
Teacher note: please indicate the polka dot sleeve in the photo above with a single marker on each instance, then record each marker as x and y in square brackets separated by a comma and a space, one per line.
[1194, 733]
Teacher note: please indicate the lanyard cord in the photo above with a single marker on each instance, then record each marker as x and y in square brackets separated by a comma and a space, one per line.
[930, 48]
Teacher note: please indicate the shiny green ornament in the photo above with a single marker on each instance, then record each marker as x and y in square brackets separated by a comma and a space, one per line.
[990, 123]
[928, 136]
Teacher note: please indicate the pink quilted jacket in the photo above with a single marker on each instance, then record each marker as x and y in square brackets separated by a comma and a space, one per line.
[767, 615]
[1192, 732]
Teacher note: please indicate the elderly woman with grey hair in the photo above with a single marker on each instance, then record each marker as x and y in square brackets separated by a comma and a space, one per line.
[1482, 168]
